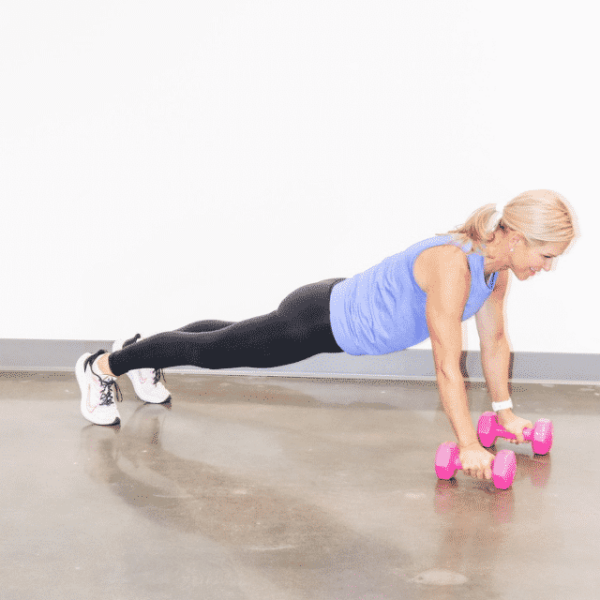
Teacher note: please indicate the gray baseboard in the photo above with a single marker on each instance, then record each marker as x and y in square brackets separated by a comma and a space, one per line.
[61, 355]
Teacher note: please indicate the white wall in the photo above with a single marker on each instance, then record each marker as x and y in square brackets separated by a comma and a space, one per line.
[164, 162]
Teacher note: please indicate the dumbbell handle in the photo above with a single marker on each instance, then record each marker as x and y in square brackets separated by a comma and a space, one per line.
[502, 432]
[540, 436]
[457, 465]
[447, 462]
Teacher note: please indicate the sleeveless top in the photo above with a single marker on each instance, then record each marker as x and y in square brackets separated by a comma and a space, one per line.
[383, 309]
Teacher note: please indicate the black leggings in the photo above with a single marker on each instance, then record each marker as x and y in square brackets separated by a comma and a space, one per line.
[298, 329]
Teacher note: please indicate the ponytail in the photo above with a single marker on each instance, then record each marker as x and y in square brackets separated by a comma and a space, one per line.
[479, 228]
[541, 216]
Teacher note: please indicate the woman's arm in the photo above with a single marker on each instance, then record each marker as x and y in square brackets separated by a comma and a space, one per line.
[446, 280]
[495, 354]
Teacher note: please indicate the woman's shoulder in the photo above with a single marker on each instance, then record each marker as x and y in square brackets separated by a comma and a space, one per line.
[440, 263]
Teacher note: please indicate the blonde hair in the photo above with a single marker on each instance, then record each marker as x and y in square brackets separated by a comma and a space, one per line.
[540, 216]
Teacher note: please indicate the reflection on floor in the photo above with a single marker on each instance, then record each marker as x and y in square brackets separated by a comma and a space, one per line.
[286, 489]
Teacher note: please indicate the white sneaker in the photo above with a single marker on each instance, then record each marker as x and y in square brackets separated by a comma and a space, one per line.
[146, 382]
[97, 401]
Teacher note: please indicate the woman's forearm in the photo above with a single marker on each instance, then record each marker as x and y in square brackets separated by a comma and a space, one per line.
[495, 360]
[453, 395]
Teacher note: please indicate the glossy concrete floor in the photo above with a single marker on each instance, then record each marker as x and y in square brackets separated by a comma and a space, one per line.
[248, 488]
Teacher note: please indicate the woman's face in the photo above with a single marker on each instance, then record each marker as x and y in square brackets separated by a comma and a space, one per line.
[526, 260]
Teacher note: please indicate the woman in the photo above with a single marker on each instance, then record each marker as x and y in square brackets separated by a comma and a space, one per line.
[425, 291]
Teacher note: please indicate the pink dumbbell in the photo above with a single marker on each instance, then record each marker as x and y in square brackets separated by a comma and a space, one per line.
[488, 429]
[504, 466]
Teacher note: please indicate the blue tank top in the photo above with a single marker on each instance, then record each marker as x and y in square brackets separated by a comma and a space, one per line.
[383, 309]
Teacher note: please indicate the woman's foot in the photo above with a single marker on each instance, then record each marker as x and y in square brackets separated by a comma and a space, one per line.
[146, 382]
[97, 391]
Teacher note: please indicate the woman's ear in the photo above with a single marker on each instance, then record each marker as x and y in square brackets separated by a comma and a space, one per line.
[515, 238]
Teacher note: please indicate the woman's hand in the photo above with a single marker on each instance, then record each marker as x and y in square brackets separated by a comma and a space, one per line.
[513, 424]
[476, 461]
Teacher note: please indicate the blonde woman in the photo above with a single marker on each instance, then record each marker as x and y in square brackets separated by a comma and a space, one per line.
[425, 291]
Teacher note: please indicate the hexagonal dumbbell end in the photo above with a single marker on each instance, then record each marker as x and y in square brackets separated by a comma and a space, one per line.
[543, 434]
[447, 460]
[504, 465]
[488, 429]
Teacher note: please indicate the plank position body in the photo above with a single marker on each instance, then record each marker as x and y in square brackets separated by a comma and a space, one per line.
[425, 291]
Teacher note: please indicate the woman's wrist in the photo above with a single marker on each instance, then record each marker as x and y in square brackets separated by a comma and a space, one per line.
[467, 437]
[467, 443]
[505, 416]
[500, 406]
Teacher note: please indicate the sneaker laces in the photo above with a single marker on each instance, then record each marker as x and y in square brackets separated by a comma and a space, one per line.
[106, 384]
[158, 375]
[106, 392]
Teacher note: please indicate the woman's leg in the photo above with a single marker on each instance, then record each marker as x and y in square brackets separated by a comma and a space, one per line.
[299, 328]
[203, 326]
[197, 327]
